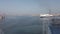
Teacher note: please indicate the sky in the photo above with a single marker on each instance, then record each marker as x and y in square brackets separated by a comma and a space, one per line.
[22, 7]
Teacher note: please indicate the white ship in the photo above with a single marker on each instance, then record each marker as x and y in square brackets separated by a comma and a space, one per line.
[45, 15]
[51, 23]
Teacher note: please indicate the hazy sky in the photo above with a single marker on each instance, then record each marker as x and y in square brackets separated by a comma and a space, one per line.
[28, 6]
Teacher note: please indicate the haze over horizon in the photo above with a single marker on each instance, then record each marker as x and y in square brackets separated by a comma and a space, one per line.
[28, 7]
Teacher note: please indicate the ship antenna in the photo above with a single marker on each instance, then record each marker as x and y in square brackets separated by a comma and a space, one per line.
[49, 11]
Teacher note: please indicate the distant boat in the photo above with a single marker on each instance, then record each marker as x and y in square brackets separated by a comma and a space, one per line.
[2, 17]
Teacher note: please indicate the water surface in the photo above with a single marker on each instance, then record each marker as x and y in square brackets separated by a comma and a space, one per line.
[22, 25]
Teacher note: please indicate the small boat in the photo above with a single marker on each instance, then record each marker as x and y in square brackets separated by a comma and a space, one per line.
[2, 17]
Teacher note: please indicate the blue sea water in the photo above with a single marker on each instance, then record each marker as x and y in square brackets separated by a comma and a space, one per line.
[22, 25]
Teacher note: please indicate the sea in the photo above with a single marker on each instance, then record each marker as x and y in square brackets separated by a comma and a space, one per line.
[22, 25]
